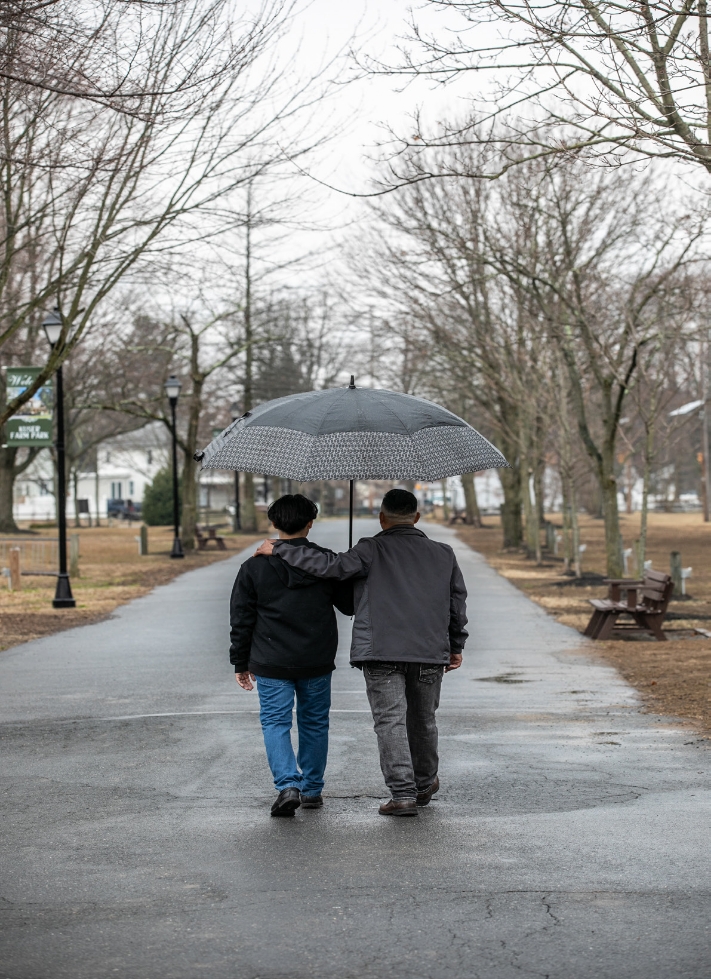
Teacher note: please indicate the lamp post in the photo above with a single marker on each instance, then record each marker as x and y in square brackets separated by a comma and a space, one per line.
[172, 389]
[63, 597]
[236, 411]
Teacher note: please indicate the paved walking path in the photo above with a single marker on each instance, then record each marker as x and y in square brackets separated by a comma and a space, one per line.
[570, 838]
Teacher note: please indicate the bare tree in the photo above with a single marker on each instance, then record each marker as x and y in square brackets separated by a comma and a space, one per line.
[433, 268]
[64, 48]
[607, 268]
[97, 192]
[618, 77]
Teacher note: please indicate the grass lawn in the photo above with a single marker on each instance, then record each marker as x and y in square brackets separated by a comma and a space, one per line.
[111, 573]
[673, 677]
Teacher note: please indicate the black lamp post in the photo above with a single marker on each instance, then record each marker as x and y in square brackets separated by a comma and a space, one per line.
[63, 597]
[172, 389]
[236, 411]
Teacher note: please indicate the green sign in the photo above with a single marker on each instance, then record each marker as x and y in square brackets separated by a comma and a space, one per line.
[32, 425]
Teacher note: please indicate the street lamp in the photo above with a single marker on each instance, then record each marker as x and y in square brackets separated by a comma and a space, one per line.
[236, 411]
[63, 597]
[172, 389]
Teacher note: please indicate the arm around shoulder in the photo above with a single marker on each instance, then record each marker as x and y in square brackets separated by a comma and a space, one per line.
[354, 563]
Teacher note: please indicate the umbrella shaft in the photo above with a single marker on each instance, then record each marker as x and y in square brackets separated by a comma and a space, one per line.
[350, 521]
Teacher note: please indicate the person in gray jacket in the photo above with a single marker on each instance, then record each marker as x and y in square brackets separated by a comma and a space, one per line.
[409, 629]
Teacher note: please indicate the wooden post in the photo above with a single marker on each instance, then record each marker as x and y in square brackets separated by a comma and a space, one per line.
[675, 567]
[15, 569]
[143, 541]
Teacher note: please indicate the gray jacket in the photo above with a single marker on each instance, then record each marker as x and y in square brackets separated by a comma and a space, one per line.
[410, 597]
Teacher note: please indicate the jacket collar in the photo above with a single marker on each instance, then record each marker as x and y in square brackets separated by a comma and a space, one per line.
[403, 529]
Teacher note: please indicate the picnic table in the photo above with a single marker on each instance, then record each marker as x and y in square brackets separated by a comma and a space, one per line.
[209, 533]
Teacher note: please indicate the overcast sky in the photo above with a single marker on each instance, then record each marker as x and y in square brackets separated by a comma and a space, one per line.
[359, 113]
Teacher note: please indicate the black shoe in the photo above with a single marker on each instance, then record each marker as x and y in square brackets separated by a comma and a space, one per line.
[423, 798]
[311, 801]
[286, 802]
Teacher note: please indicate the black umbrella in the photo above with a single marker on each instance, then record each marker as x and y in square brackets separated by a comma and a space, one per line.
[351, 433]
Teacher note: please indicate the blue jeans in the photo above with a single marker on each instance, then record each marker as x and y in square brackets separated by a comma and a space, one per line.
[313, 703]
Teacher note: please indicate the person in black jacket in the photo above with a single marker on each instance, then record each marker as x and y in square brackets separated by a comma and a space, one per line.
[284, 636]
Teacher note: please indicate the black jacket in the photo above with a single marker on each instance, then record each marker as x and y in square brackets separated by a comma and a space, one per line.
[282, 619]
[410, 596]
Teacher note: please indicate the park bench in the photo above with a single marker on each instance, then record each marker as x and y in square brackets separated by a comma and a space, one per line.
[646, 603]
[210, 534]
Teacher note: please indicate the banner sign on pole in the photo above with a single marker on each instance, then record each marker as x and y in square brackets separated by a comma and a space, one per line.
[32, 425]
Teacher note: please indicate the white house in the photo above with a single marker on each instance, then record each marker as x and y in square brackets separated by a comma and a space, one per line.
[125, 465]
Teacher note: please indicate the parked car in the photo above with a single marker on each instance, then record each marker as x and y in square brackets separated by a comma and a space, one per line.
[123, 509]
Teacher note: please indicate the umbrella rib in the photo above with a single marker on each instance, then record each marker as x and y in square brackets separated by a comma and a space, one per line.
[383, 403]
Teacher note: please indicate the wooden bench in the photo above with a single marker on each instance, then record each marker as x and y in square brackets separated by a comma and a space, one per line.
[212, 535]
[645, 603]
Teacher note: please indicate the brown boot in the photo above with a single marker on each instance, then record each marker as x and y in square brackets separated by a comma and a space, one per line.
[424, 797]
[398, 807]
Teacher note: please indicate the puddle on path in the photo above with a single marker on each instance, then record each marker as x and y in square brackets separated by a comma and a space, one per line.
[502, 678]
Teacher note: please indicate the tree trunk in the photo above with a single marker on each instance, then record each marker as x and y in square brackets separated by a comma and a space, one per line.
[75, 491]
[575, 530]
[249, 514]
[611, 515]
[470, 500]
[511, 507]
[567, 529]
[247, 511]
[7, 485]
[642, 542]
[539, 470]
[189, 482]
[445, 504]
[530, 512]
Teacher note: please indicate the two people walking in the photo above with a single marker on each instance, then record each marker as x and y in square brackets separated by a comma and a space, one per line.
[409, 601]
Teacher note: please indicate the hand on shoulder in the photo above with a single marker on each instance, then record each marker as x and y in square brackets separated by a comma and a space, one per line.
[264, 549]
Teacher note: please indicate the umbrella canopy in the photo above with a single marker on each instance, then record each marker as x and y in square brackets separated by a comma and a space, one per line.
[351, 433]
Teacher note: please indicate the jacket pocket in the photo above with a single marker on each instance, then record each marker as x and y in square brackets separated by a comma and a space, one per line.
[428, 674]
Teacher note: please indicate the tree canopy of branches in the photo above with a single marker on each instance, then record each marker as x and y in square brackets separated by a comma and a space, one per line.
[616, 77]
[554, 283]
[186, 105]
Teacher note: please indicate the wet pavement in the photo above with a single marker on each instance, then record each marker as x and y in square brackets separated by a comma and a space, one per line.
[570, 838]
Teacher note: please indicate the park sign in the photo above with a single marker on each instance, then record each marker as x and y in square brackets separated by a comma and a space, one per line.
[32, 425]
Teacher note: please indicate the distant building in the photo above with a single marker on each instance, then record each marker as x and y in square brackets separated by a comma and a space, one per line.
[120, 469]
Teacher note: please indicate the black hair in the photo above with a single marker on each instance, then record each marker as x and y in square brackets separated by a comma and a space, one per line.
[399, 503]
[291, 513]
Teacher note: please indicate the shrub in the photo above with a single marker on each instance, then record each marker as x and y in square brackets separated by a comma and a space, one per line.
[157, 510]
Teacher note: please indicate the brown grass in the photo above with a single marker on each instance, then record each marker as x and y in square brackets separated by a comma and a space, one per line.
[111, 573]
[673, 677]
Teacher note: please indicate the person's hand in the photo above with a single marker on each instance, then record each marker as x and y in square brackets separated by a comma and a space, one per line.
[245, 680]
[455, 661]
[265, 548]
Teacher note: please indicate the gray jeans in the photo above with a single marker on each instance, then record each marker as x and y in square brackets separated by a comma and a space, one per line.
[403, 698]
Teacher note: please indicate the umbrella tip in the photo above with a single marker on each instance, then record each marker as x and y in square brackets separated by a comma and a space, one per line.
[352, 384]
